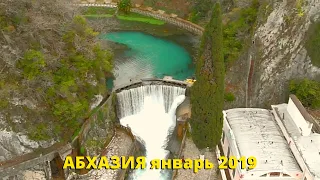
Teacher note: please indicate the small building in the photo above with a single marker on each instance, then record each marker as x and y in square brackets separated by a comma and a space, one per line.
[281, 140]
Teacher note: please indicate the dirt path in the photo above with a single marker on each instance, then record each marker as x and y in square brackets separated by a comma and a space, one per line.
[192, 152]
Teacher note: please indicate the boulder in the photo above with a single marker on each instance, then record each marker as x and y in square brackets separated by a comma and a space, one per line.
[173, 15]
[161, 11]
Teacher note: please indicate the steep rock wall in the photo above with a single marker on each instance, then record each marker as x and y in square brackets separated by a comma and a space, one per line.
[279, 52]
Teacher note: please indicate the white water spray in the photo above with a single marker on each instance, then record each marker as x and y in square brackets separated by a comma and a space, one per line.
[150, 113]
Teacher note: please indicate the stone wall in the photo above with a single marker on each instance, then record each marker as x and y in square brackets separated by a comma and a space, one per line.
[172, 19]
[159, 14]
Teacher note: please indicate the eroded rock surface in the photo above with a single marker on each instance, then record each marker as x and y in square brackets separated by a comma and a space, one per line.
[279, 53]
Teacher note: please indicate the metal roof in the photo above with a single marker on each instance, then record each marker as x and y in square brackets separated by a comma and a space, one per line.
[257, 134]
[309, 146]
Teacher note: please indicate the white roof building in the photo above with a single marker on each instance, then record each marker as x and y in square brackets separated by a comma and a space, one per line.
[281, 139]
[297, 130]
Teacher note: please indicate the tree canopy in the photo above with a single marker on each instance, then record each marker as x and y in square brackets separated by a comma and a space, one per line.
[207, 93]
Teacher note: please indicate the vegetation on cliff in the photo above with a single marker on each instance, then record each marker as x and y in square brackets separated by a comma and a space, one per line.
[207, 93]
[307, 91]
[52, 67]
[239, 24]
[200, 10]
[313, 44]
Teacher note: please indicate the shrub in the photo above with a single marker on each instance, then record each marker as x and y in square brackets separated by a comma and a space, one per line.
[313, 44]
[229, 97]
[124, 6]
[308, 92]
[234, 30]
[32, 63]
[200, 10]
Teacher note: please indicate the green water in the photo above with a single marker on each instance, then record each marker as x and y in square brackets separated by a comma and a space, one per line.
[149, 56]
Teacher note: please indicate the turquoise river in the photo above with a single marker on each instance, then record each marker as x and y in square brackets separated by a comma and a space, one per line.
[147, 56]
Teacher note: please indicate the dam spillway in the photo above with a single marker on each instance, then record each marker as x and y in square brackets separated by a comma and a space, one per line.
[150, 113]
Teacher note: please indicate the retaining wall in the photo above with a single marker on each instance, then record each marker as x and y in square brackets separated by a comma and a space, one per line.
[172, 19]
[184, 24]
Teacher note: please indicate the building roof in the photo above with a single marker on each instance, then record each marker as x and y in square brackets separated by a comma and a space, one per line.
[257, 134]
[309, 146]
[287, 121]
[305, 113]
[301, 108]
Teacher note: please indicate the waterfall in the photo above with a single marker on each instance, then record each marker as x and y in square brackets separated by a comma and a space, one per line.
[150, 113]
[131, 101]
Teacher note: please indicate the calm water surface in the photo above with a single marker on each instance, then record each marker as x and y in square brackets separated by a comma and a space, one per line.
[148, 56]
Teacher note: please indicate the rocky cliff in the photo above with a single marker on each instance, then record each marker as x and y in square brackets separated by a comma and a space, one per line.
[279, 52]
[52, 67]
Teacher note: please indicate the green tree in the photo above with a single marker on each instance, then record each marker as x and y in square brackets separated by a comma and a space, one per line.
[200, 10]
[307, 91]
[124, 6]
[207, 93]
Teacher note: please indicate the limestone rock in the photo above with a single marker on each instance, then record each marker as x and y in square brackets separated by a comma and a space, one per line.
[149, 8]
[173, 15]
[280, 51]
[14, 144]
[35, 175]
[161, 11]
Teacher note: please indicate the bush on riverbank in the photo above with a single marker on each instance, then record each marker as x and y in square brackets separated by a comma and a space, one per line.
[207, 93]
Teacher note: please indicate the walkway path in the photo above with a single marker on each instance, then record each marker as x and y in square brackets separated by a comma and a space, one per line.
[26, 161]
[119, 146]
[192, 152]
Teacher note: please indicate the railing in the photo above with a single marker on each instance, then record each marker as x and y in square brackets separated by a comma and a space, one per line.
[175, 172]
[26, 161]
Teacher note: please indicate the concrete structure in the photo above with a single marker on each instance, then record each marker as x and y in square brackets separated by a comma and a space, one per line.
[281, 139]
[24, 162]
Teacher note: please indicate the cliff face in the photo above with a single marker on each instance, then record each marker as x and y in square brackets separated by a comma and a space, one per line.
[51, 69]
[279, 53]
